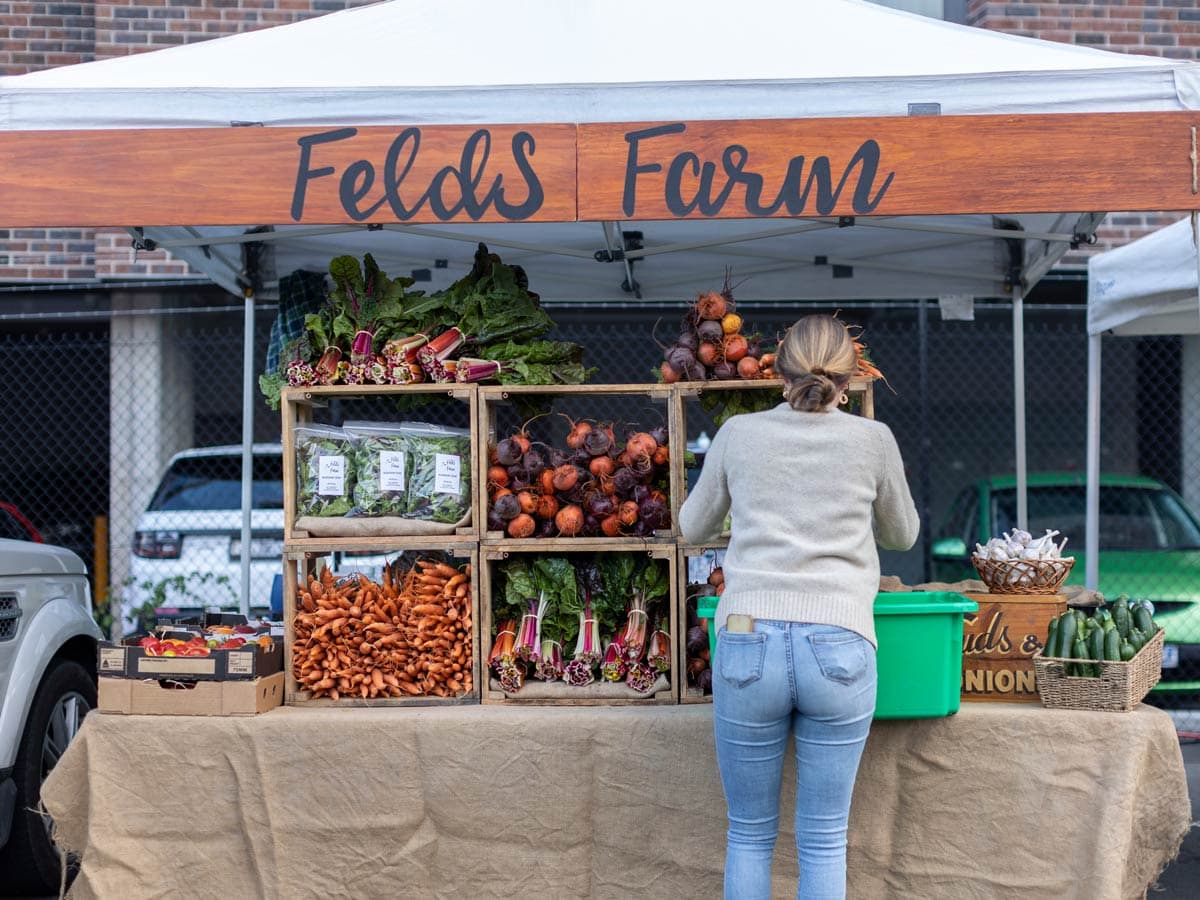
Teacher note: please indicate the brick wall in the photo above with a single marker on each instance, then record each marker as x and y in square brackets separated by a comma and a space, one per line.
[37, 35]
[40, 35]
[1169, 28]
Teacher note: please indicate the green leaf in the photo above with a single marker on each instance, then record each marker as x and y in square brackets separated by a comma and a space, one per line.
[519, 587]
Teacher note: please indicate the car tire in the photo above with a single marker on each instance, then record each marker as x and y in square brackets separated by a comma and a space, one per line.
[30, 860]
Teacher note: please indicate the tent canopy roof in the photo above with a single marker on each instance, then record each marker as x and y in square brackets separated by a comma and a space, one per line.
[528, 61]
[1148, 286]
[546, 61]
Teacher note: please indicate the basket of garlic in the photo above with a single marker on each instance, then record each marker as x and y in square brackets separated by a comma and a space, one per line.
[1019, 563]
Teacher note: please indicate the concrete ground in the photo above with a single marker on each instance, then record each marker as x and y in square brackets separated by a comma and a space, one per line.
[1181, 879]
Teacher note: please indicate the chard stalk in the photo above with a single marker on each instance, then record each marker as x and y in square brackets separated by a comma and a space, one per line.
[360, 349]
[502, 649]
[614, 667]
[579, 673]
[658, 656]
[550, 666]
[641, 677]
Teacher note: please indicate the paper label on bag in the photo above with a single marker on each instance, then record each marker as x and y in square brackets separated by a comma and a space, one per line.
[448, 477]
[331, 476]
[391, 470]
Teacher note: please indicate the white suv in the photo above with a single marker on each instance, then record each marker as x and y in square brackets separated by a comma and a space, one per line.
[186, 552]
[48, 643]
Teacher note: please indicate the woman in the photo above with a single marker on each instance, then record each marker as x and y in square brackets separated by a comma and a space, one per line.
[810, 490]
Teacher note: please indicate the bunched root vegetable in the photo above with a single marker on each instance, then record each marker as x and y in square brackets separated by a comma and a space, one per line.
[397, 638]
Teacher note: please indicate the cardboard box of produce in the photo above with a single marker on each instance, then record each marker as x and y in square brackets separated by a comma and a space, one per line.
[245, 663]
[130, 696]
[999, 642]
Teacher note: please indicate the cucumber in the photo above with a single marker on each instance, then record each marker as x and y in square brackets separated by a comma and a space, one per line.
[1137, 639]
[1103, 616]
[1122, 616]
[1081, 621]
[1095, 648]
[1112, 645]
[1079, 651]
[1144, 621]
[1127, 651]
[1051, 648]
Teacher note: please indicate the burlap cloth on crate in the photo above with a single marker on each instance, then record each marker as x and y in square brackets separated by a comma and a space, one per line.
[1001, 800]
[375, 526]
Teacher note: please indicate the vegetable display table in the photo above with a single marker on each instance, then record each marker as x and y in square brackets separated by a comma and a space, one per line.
[1000, 800]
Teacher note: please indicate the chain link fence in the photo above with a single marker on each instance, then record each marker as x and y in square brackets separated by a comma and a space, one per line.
[95, 411]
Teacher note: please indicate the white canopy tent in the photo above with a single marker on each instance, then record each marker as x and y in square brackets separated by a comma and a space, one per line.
[593, 61]
[1148, 287]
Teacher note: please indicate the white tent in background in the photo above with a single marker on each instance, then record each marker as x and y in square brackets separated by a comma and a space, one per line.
[405, 63]
[1148, 287]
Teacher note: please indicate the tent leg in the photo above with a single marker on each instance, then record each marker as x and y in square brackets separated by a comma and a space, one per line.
[247, 448]
[1091, 545]
[1018, 313]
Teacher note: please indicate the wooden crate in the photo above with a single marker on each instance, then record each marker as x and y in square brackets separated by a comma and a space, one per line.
[689, 693]
[491, 555]
[999, 642]
[861, 390]
[296, 407]
[298, 563]
[492, 399]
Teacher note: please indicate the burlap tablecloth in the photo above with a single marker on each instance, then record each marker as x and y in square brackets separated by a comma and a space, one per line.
[999, 801]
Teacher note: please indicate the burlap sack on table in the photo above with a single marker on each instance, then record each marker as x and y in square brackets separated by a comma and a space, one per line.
[377, 526]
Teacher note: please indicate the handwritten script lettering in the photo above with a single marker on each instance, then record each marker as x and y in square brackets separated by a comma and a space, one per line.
[452, 192]
[693, 185]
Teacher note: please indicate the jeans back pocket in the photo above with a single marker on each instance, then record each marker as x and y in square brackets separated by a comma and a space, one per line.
[740, 657]
[841, 655]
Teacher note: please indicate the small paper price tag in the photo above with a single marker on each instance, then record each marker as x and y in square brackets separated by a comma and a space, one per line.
[331, 476]
[448, 476]
[391, 470]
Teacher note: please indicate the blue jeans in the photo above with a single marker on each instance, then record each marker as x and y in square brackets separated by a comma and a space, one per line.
[818, 683]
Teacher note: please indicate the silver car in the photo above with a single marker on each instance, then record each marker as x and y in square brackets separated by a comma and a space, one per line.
[48, 643]
[187, 547]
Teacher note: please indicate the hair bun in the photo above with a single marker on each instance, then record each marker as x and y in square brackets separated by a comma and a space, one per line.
[818, 370]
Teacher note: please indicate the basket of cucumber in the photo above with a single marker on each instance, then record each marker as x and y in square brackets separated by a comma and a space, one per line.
[1106, 661]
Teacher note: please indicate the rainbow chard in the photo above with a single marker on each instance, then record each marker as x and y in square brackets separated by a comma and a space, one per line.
[404, 350]
[368, 298]
[502, 649]
[472, 370]
[550, 666]
[641, 677]
[614, 668]
[658, 656]
[529, 635]
[440, 348]
[579, 673]
[511, 677]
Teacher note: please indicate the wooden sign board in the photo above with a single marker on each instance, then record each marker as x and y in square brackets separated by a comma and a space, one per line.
[598, 172]
[999, 642]
[887, 166]
[284, 176]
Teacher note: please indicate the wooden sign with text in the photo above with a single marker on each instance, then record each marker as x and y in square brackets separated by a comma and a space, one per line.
[888, 166]
[597, 172]
[286, 176]
[999, 642]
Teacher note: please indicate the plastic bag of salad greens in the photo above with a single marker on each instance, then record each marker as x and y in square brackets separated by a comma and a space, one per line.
[324, 471]
[381, 468]
[439, 481]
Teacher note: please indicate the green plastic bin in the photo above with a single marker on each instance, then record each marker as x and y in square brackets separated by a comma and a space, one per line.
[919, 661]
[706, 608]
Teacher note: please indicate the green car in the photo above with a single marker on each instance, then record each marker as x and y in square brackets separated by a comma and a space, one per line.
[1149, 548]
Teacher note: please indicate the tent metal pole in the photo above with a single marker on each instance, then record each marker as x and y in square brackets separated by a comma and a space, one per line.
[247, 448]
[1018, 314]
[1091, 531]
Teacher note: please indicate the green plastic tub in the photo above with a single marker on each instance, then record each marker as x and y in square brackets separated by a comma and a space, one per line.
[920, 653]
[706, 608]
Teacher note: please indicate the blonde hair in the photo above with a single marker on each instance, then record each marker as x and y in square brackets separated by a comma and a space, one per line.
[816, 359]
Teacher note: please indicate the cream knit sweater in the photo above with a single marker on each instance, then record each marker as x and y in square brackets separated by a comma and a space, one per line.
[809, 494]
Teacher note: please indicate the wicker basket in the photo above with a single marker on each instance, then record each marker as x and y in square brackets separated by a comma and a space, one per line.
[1120, 687]
[1023, 576]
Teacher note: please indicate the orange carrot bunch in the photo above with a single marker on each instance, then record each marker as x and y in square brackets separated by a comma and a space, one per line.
[409, 636]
